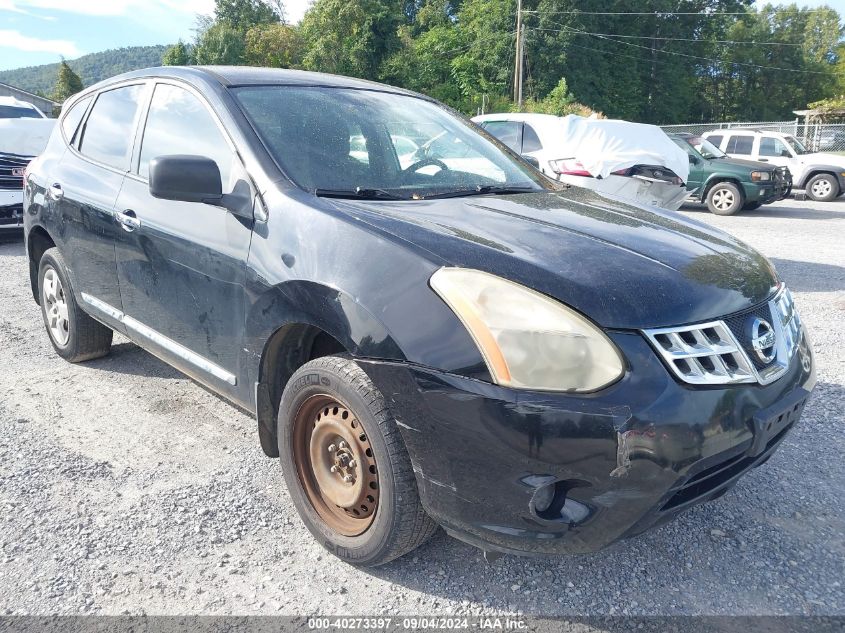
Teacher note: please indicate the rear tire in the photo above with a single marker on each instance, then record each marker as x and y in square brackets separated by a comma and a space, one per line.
[331, 415]
[822, 188]
[725, 198]
[74, 334]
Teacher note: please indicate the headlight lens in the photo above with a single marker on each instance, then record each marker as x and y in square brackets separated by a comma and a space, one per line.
[760, 175]
[528, 340]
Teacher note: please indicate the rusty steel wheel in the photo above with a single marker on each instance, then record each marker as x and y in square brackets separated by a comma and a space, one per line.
[336, 465]
[346, 466]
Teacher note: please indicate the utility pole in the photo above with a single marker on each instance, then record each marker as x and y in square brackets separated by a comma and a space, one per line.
[517, 71]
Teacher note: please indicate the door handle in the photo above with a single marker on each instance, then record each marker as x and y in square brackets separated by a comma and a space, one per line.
[128, 220]
[763, 160]
[56, 192]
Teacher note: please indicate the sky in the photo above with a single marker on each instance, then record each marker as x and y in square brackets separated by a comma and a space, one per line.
[36, 32]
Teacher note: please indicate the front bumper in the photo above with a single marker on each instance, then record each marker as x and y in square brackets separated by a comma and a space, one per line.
[768, 192]
[619, 461]
[11, 209]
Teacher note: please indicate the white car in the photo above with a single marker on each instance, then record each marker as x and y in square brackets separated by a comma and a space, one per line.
[820, 174]
[24, 131]
[631, 161]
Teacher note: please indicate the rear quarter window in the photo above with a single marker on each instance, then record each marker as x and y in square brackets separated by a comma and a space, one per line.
[71, 118]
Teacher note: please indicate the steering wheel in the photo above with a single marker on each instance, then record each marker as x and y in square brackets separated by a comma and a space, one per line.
[425, 162]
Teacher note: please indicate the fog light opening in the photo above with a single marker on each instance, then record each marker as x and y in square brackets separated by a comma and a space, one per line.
[550, 503]
[548, 500]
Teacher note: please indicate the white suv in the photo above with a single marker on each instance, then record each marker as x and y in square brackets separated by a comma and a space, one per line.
[820, 174]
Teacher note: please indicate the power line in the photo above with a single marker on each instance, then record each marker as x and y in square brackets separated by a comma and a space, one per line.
[685, 39]
[707, 59]
[660, 13]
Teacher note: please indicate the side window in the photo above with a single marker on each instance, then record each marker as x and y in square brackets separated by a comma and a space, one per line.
[71, 118]
[740, 145]
[179, 123]
[108, 131]
[770, 146]
[508, 132]
[530, 140]
[715, 139]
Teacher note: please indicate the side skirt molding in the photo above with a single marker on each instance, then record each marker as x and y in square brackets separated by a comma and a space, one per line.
[149, 334]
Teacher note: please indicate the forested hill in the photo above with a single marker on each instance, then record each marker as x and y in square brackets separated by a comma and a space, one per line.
[91, 68]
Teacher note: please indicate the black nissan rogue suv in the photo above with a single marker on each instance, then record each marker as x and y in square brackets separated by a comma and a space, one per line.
[427, 335]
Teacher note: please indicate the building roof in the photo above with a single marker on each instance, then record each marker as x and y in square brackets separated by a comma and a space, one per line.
[27, 93]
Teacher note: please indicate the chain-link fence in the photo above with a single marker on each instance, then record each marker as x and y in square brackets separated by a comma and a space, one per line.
[816, 137]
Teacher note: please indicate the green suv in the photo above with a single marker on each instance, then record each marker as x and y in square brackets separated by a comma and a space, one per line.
[726, 184]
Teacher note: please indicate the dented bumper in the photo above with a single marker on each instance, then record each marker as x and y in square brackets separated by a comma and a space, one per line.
[619, 461]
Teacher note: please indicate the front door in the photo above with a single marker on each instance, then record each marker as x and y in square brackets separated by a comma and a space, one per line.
[181, 265]
[773, 150]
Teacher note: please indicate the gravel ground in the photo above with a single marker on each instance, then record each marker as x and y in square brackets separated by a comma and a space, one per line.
[127, 488]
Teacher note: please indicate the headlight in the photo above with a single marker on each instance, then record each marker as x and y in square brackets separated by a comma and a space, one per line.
[760, 175]
[528, 340]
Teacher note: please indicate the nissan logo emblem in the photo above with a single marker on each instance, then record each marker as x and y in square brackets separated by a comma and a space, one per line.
[762, 338]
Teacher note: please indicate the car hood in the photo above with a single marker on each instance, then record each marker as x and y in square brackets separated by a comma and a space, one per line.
[741, 163]
[822, 158]
[623, 265]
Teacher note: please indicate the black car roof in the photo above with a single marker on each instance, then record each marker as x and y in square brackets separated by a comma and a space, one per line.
[230, 76]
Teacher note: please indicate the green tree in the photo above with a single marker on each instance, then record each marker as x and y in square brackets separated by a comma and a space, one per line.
[68, 83]
[177, 55]
[220, 44]
[274, 46]
[558, 102]
[245, 14]
[351, 37]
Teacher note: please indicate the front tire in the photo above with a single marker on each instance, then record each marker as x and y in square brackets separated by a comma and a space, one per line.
[725, 198]
[346, 466]
[75, 336]
[822, 188]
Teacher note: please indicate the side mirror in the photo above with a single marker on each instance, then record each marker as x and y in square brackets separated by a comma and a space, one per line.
[785, 153]
[693, 160]
[531, 159]
[186, 178]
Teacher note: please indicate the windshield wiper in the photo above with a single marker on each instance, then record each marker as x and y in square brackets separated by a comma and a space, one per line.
[358, 192]
[481, 190]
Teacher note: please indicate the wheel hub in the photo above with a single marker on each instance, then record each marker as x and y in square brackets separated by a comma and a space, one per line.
[55, 307]
[336, 465]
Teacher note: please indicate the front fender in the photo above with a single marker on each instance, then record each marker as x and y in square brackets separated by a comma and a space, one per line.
[331, 310]
[812, 170]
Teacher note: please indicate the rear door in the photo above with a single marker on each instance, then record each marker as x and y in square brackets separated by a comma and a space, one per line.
[740, 146]
[83, 188]
[182, 265]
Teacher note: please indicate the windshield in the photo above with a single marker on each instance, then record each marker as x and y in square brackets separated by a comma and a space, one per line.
[795, 144]
[18, 112]
[704, 147]
[341, 140]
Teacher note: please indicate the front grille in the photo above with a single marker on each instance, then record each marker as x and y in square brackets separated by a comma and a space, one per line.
[10, 163]
[721, 352]
[701, 354]
[738, 326]
[782, 177]
[11, 214]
